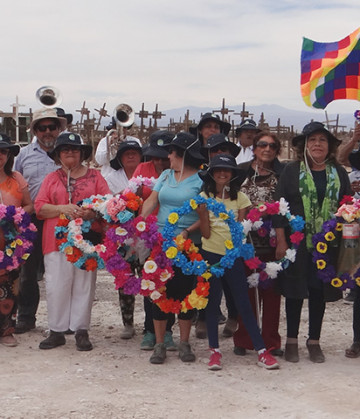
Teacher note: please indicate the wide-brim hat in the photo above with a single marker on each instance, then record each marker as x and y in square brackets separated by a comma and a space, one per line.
[219, 139]
[68, 116]
[124, 146]
[72, 139]
[45, 113]
[5, 142]
[247, 124]
[224, 126]
[310, 129]
[187, 142]
[155, 148]
[220, 161]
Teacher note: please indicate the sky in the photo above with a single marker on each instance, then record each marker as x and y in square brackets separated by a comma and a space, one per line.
[174, 53]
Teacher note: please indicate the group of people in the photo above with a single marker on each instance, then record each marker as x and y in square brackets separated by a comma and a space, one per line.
[50, 178]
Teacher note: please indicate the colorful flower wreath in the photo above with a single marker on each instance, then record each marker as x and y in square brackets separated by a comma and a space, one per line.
[329, 237]
[135, 183]
[19, 234]
[265, 272]
[69, 235]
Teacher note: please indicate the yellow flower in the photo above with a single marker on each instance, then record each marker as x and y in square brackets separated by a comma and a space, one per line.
[223, 216]
[320, 264]
[206, 275]
[171, 252]
[229, 244]
[184, 308]
[25, 256]
[357, 280]
[19, 242]
[173, 218]
[330, 236]
[13, 244]
[197, 301]
[68, 250]
[9, 252]
[338, 227]
[179, 240]
[321, 247]
[193, 204]
[336, 282]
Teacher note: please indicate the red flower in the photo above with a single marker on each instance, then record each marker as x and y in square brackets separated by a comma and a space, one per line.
[347, 199]
[272, 208]
[253, 263]
[90, 264]
[296, 237]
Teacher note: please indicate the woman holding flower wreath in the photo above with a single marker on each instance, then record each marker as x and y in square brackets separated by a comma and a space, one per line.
[69, 290]
[172, 189]
[13, 191]
[313, 186]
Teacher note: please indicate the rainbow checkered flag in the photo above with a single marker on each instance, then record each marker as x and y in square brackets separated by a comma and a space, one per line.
[330, 71]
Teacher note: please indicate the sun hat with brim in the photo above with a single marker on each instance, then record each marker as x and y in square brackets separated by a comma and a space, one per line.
[220, 161]
[247, 124]
[61, 113]
[70, 139]
[187, 142]
[310, 129]
[45, 113]
[124, 146]
[216, 140]
[224, 126]
[156, 144]
[5, 142]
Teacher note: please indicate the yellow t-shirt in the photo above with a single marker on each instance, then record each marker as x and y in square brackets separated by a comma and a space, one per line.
[219, 230]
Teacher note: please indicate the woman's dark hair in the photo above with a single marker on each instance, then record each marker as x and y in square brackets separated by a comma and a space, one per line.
[263, 134]
[9, 164]
[209, 187]
[331, 157]
[188, 159]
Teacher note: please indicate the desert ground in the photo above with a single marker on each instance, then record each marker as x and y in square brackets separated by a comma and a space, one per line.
[116, 380]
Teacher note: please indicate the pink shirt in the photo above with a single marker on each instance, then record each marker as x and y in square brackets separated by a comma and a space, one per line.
[147, 169]
[53, 191]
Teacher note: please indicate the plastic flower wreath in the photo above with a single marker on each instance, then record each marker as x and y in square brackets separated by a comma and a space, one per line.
[135, 183]
[265, 272]
[328, 238]
[19, 234]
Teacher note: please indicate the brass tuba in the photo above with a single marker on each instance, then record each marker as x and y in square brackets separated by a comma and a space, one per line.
[124, 117]
[49, 96]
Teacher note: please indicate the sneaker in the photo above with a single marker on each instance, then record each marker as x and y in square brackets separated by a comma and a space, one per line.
[82, 340]
[230, 327]
[267, 361]
[23, 327]
[169, 343]
[159, 354]
[55, 339]
[9, 341]
[185, 352]
[128, 332]
[200, 329]
[148, 342]
[215, 360]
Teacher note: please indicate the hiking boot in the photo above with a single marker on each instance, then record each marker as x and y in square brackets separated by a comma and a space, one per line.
[169, 343]
[82, 340]
[53, 340]
[315, 353]
[266, 360]
[159, 354]
[200, 329]
[148, 342]
[185, 352]
[128, 332]
[230, 327]
[23, 327]
[215, 360]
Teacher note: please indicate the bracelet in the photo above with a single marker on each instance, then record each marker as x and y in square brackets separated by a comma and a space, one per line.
[188, 232]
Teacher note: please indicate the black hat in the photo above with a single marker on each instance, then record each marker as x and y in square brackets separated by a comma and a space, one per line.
[156, 144]
[310, 129]
[112, 124]
[187, 142]
[208, 116]
[247, 124]
[223, 161]
[220, 139]
[124, 146]
[60, 112]
[70, 138]
[5, 142]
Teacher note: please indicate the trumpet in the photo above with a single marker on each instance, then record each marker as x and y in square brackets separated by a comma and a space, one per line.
[49, 96]
[124, 117]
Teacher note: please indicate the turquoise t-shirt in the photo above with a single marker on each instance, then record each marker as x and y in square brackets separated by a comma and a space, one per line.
[172, 195]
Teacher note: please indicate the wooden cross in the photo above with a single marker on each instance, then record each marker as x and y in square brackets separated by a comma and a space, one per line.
[102, 112]
[142, 114]
[83, 111]
[157, 115]
[244, 113]
[224, 111]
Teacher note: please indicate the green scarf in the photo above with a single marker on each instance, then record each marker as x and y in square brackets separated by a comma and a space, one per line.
[315, 216]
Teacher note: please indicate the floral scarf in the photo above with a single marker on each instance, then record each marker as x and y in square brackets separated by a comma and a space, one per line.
[314, 215]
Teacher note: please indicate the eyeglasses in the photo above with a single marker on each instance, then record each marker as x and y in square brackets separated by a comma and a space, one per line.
[223, 147]
[69, 149]
[264, 144]
[4, 151]
[43, 128]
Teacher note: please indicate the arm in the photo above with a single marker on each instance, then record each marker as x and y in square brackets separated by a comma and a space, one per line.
[281, 243]
[150, 204]
[53, 211]
[241, 213]
[101, 154]
[26, 202]
[204, 221]
[344, 151]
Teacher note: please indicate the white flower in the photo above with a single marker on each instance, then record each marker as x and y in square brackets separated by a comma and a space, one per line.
[141, 226]
[283, 206]
[272, 232]
[165, 275]
[146, 284]
[253, 280]
[155, 295]
[272, 269]
[291, 254]
[121, 231]
[150, 266]
[247, 226]
[257, 225]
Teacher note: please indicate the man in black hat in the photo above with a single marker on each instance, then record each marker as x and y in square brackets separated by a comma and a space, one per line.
[245, 135]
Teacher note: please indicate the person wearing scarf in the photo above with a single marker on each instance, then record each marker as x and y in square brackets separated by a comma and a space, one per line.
[313, 186]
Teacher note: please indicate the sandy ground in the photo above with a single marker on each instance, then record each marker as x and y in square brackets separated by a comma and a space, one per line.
[116, 380]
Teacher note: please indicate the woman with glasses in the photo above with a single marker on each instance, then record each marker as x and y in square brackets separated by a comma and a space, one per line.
[260, 176]
[69, 290]
[13, 191]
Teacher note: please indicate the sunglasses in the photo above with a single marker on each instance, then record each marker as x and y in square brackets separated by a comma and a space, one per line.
[50, 127]
[69, 149]
[264, 144]
[224, 148]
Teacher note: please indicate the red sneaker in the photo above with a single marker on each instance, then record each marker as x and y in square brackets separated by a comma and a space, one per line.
[215, 360]
[267, 361]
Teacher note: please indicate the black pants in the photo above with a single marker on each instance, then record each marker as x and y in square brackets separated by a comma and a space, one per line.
[148, 323]
[356, 315]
